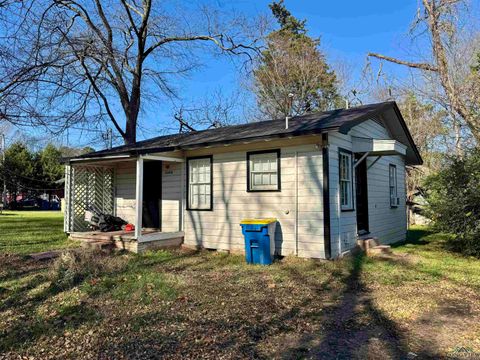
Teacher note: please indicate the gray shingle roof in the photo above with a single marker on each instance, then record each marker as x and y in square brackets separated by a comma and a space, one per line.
[313, 123]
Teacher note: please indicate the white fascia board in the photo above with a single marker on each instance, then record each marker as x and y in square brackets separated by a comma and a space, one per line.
[101, 159]
[162, 158]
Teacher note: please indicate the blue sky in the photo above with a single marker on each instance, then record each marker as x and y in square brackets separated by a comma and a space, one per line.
[348, 29]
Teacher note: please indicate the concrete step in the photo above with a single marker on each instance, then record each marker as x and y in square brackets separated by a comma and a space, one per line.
[379, 249]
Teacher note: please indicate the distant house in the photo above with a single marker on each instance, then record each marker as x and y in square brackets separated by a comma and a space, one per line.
[328, 178]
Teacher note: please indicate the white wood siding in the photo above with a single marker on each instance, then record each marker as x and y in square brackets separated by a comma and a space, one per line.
[343, 224]
[386, 223]
[171, 196]
[299, 233]
[171, 193]
[220, 229]
[125, 190]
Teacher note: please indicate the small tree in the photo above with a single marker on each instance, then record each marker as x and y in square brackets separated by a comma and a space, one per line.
[453, 196]
[293, 63]
[425, 125]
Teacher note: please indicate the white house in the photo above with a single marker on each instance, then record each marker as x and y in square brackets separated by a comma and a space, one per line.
[327, 177]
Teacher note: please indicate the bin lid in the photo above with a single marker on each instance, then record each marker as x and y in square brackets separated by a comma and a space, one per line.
[258, 221]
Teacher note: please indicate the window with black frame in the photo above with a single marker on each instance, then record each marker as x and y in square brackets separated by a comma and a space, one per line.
[346, 182]
[263, 171]
[394, 200]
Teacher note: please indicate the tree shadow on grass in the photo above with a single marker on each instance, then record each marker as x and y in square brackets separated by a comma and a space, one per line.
[352, 327]
[27, 326]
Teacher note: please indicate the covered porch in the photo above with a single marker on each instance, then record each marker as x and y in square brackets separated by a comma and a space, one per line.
[115, 185]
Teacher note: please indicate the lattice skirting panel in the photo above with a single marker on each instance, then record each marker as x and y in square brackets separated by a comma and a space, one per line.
[87, 187]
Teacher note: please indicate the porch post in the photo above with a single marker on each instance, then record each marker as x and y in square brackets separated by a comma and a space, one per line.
[139, 199]
[67, 198]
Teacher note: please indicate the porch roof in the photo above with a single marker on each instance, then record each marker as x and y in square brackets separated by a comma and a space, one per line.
[341, 120]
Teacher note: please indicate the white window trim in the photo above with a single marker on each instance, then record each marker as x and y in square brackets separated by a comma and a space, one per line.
[348, 181]
[207, 182]
[251, 172]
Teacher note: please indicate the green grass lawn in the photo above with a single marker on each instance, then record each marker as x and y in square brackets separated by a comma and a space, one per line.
[24, 232]
[183, 304]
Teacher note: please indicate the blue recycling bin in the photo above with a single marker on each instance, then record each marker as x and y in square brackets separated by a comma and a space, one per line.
[259, 235]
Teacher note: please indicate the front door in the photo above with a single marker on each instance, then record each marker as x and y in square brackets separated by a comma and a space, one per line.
[152, 194]
[361, 196]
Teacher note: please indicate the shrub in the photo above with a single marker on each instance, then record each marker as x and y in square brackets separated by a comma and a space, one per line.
[73, 267]
[453, 197]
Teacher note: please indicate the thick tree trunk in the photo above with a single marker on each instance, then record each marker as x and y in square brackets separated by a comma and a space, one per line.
[131, 129]
[133, 107]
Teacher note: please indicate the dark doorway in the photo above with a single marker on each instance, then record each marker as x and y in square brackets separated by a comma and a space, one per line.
[361, 196]
[152, 194]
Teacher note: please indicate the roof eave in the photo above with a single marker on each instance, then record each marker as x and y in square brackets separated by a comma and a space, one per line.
[142, 151]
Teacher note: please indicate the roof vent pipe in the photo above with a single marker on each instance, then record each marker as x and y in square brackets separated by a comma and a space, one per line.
[289, 104]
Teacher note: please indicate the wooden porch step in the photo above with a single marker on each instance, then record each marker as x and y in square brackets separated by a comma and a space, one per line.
[99, 244]
[366, 243]
[93, 236]
[379, 249]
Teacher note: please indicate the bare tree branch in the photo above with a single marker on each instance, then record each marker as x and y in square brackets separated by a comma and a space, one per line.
[422, 66]
[100, 58]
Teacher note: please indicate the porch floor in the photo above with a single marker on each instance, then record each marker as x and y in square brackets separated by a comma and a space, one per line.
[151, 239]
[109, 235]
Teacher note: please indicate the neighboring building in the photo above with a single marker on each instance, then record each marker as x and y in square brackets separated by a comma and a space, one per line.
[327, 177]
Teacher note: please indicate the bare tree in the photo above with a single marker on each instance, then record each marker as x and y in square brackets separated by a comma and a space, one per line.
[446, 65]
[96, 61]
[215, 109]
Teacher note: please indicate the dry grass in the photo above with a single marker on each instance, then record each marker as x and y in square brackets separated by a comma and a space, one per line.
[175, 304]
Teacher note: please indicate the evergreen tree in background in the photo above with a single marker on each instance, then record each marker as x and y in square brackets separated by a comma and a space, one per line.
[51, 168]
[292, 76]
[18, 169]
[34, 173]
